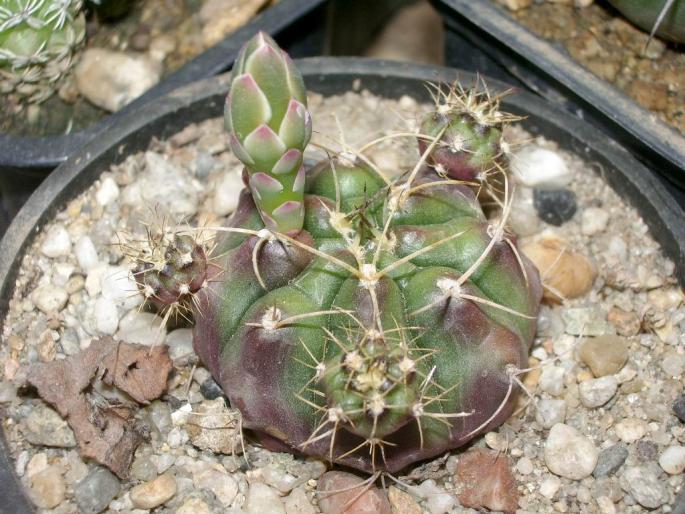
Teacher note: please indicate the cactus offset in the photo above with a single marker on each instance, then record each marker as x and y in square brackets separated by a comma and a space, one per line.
[389, 327]
[38, 39]
[269, 126]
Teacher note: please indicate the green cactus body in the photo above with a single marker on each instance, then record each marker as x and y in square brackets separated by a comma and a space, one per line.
[645, 13]
[382, 324]
[38, 39]
[383, 347]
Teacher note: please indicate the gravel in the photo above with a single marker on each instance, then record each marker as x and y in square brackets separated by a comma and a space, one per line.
[603, 434]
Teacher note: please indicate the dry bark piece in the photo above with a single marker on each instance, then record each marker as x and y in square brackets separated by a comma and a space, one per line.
[105, 432]
[486, 481]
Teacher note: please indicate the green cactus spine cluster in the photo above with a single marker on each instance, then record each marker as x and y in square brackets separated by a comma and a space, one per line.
[385, 324]
[38, 40]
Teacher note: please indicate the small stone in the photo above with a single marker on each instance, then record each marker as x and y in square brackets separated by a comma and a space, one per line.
[194, 506]
[141, 328]
[8, 392]
[486, 481]
[585, 321]
[118, 285]
[552, 380]
[86, 255]
[673, 364]
[161, 46]
[262, 499]
[535, 166]
[49, 298]
[567, 274]
[38, 463]
[438, 501]
[550, 412]
[226, 194]
[626, 323]
[47, 488]
[106, 316]
[43, 426]
[401, 502]
[111, 79]
[210, 389]
[646, 451]
[215, 479]
[549, 487]
[515, 5]
[610, 460]
[555, 207]
[56, 243]
[297, 502]
[594, 220]
[643, 484]
[180, 343]
[370, 501]
[596, 392]
[143, 468]
[523, 218]
[678, 506]
[216, 25]
[212, 426]
[107, 192]
[672, 460]
[94, 492]
[679, 408]
[524, 466]
[77, 470]
[630, 430]
[154, 493]
[569, 454]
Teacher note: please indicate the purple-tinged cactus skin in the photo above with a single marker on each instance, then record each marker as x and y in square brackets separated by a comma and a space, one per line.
[469, 124]
[269, 127]
[387, 326]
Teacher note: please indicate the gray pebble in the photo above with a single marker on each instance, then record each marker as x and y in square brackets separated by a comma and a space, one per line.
[94, 492]
[610, 459]
[646, 451]
[43, 426]
[210, 389]
[679, 408]
[643, 484]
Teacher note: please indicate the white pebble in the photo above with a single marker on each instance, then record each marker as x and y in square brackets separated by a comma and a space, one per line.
[594, 220]
[107, 192]
[86, 255]
[106, 316]
[524, 466]
[215, 479]
[549, 487]
[119, 287]
[630, 430]
[672, 460]
[56, 243]
[539, 167]
[180, 343]
[437, 500]
[596, 392]
[50, 298]
[552, 380]
[141, 328]
[570, 454]
[550, 412]
[225, 198]
[262, 499]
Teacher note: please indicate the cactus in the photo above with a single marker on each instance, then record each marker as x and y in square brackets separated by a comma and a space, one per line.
[38, 39]
[269, 126]
[391, 326]
[665, 18]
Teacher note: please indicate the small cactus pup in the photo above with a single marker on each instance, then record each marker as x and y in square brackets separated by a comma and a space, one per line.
[469, 126]
[269, 126]
[376, 322]
[38, 40]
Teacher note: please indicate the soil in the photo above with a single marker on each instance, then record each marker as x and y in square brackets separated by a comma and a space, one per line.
[604, 42]
[202, 177]
[176, 21]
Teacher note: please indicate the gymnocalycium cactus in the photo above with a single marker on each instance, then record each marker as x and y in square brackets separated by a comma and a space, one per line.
[38, 39]
[387, 327]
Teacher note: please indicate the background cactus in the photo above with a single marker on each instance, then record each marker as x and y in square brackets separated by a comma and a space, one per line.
[389, 328]
[666, 18]
[38, 39]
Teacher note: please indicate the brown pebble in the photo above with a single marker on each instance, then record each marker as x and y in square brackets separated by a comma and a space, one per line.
[626, 323]
[149, 495]
[605, 355]
[565, 274]
[371, 501]
[401, 502]
[486, 480]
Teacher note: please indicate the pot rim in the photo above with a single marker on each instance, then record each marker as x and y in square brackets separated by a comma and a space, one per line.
[133, 132]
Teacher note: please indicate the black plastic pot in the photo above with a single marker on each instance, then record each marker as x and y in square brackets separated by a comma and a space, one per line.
[165, 116]
[481, 37]
[298, 25]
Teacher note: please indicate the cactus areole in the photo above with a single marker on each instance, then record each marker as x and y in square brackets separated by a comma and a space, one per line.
[367, 321]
